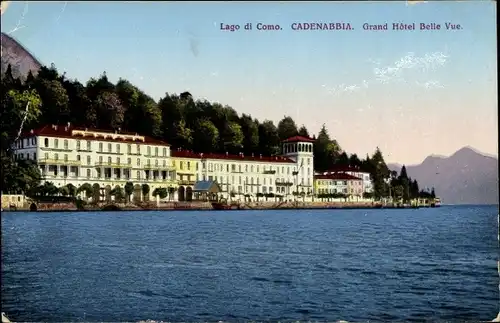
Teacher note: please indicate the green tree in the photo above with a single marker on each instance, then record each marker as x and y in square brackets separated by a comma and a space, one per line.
[379, 175]
[87, 189]
[145, 191]
[207, 136]
[129, 190]
[269, 140]
[233, 137]
[303, 132]
[287, 128]
[118, 194]
[250, 129]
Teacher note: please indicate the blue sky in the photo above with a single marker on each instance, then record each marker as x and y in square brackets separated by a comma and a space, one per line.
[437, 95]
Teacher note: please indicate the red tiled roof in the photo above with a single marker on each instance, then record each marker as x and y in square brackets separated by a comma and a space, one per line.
[61, 131]
[298, 139]
[335, 169]
[260, 158]
[338, 176]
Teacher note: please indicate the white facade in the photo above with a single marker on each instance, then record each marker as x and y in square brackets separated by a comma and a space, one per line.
[367, 182]
[80, 156]
[67, 155]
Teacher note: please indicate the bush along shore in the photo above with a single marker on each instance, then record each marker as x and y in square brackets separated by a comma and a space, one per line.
[78, 205]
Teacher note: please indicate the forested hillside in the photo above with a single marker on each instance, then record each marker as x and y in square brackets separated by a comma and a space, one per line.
[179, 119]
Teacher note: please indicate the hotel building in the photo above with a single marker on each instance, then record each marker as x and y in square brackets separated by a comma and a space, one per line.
[339, 183]
[237, 175]
[71, 155]
[353, 171]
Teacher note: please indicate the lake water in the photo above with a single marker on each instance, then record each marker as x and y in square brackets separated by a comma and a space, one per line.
[321, 265]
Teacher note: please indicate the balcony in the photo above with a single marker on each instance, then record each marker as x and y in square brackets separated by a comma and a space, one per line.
[112, 165]
[159, 167]
[47, 161]
[184, 182]
[280, 183]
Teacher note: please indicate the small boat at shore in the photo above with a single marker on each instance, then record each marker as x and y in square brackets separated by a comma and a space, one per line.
[436, 203]
[224, 206]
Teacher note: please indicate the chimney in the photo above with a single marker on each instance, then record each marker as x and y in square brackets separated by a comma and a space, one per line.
[260, 156]
[242, 155]
[69, 124]
[227, 154]
[32, 131]
[252, 155]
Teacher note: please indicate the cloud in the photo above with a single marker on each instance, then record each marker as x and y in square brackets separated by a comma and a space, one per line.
[342, 88]
[409, 62]
[431, 84]
[395, 72]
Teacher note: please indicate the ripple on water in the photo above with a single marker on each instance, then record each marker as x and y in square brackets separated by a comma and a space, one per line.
[423, 265]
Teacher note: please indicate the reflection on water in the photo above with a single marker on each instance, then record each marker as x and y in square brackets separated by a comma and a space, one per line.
[327, 265]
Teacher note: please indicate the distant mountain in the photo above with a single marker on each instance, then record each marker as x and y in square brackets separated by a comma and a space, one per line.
[466, 177]
[18, 57]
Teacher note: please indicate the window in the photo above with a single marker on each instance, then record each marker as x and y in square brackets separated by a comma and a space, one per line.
[138, 174]
[164, 163]
[33, 141]
[88, 145]
[88, 160]
[56, 143]
[156, 162]
[164, 152]
[138, 162]
[118, 160]
[100, 159]
[46, 142]
[100, 147]
[34, 156]
[189, 165]
[109, 160]
[46, 155]
[56, 156]
[78, 157]
[110, 149]
[65, 144]
[88, 173]
[156, 151]
[149, 150]
[246, 168]
[129, 161]
[138, 148]
[129, 149]
[181, 165]
[118, 148]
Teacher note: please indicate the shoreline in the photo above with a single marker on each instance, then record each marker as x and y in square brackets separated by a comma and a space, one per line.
[51, 208]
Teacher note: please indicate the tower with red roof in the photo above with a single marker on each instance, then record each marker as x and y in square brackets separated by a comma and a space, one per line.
[301, 150]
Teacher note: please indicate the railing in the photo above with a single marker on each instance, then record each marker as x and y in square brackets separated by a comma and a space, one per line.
[59, 161]
[159, 167]
[183, 182]
[115, 165]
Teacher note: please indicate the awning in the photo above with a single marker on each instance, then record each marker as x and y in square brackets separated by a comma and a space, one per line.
[207, 187]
